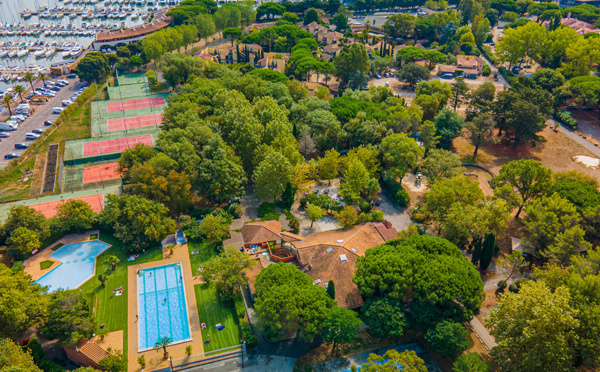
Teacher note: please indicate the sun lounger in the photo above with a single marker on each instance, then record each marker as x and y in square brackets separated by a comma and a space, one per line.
[218, 325]
[221, 328]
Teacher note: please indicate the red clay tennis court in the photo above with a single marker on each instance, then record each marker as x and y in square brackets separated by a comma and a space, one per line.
[49, 209]
[98, 173]
[134, 104]
[134, 122]
[115, 145]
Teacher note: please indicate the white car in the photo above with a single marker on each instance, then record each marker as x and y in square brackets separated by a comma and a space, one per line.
[57, 110]
[31, 136]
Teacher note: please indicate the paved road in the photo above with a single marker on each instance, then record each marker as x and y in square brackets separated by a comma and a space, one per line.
[36, 120]
[577, 138]
[252, 363]
[483, 333]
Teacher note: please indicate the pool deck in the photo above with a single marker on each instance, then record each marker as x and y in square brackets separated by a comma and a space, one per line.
[154, 358]
[32, 264]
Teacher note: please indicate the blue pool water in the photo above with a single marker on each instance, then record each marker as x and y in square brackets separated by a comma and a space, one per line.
[77, 267]
[180, 237]
[162, 309]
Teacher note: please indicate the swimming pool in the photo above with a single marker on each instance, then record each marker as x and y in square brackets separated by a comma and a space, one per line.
[77, 267]
[162, 309]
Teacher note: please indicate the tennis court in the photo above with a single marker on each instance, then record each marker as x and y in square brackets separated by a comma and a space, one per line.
[134, 122]
[134, 104]
[99, 173]
[129, 91]
[48, 209]
[135, 78]
[116, 145]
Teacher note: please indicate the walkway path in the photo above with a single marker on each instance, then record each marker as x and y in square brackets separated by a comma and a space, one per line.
[577, 138]
[483, 333]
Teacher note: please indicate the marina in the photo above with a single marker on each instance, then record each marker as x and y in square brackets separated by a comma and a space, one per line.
[34, 34]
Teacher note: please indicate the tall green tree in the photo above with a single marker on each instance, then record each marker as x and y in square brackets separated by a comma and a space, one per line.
[459, 92]
[93, 67]
[393, 360]
[385, 317]
[470, 362]
[441, 163]
[519, 181]
[340, 326]
[352, 59]
[214, 228]
[400, 154]
[479, 131]
[75, 215]
[70, 318]
[314, 213]
[14, 358]
[412, 74]
[272, 176]
[448, 338]
[22, 242]
[448, 126]
[227, 270]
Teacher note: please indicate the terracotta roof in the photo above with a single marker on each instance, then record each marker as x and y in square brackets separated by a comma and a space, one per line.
[261, 232]
[327, 265]
[252, 273]
[468, 61]
[160, 20]
[290, 237]
[331, 49]
[92, 350]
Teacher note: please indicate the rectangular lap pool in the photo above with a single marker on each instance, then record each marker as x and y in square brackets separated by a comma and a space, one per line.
[162, 306]
[77, 266]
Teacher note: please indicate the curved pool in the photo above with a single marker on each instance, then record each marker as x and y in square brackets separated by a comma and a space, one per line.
[78, 264]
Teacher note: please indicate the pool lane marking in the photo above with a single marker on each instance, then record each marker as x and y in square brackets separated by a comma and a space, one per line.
[145, 309]
[156, 297]
[168, 303]
[182, 306]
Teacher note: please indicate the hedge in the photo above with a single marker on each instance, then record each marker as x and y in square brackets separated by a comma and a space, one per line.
[396, 190]
[565, 119]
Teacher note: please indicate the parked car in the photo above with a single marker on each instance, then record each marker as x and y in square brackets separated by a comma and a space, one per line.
[57, 110]
[31, 136]
[47, 123]
[71, 76]
[21, 146]
[4, 135]
[378, 76]
[63, 81]
[66, 102]
[55, 88]
[11, 155]
[38, 130]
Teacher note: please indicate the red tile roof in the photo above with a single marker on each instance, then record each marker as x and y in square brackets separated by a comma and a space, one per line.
[261, 232]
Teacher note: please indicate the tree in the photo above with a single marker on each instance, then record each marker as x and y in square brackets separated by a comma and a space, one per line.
[75, 215]
[14, 358]
[227, 270]
[227, 16]
[315, 213]
[22, 304]
[270, 9]
[519, 181]
[482, 98]
[459, 92]
[352, 59]
[214, 228]
[94, 67]
[548, 79]
[272, 176]
[441, 91]
[441, 164]
[70, 318]
[524, 122]
[43, 78]
[114, 362]
[103, 278]
[7, 101]
[347, 217]
[233, 33]
[23, 241]
[400, 154]
[30, 78]
[516, 325]
[479, 131]
[355, 181]
[399, 25]
[311, 16]
[448, 338]
[153, 50]
[448, 126]
[487, 251]
[19, 89]
[412, 73]
[112, 260]
[286, 295]
[470, 362]
[206, 26]
[446, 192]
[162, 343]
[328, 165]
[331, 289]
[340, 21]
[384, 317]
[340, 326]
[392, 360]
[139, 223]
[513, 262]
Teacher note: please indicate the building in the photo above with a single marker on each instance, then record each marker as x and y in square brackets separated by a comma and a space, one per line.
[137, 33]
[273, 61]
[63, 67]
[581, 27]
[89, 353]
[470, 67]
[324, 256]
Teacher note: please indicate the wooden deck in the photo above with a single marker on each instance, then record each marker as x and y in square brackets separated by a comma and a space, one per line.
[154, 358]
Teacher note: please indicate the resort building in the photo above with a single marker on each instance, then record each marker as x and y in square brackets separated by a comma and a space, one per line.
[324, 256]
[469, 67]
[137, 33]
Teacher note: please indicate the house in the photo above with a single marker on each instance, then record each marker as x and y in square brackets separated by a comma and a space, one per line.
[273, 61]
[469, 67]
[324, 256]
[89, 353]
[331, 51]
[256, 27]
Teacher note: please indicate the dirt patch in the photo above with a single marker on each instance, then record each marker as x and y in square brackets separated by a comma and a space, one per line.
[491, 299]
[556, 153]
[482, 177]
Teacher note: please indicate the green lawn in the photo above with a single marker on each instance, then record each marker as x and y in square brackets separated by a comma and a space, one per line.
[45, 265]
[210, 309]
[57, 247]
[112, 310]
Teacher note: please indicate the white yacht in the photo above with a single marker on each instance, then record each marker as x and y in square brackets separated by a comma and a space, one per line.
[40, 53]
[66, 53]
[76, 51]
[50, 52]
[3, 53]
[22, 53]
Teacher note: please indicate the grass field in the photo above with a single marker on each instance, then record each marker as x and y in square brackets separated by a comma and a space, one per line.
[211, 310]
[45, 265]
[112, 310]
[57, 247]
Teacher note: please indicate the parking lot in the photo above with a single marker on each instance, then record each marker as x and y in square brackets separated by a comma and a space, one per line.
[36, 120]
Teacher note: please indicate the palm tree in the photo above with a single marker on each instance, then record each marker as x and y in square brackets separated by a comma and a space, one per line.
[102, 278]
[28, 77]
[113, 261]
[42, 77]
[19, 89]
[163, 342]
[7, 100]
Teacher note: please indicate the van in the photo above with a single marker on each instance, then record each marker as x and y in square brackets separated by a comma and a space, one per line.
[23, 105]
[8, 126]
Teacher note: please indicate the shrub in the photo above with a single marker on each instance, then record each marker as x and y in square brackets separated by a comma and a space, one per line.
[294, 223]
[365, 207]
[249, 336]
[287, 198]
[487, 51]
[486, 71]
[41, 358]
[17, 266]
[565, 119]
[448, 338]
[397, 192]
[502, 285]
[507, 75]
[235, 210]
[267, 211]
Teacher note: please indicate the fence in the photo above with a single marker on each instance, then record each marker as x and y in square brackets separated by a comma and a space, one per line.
[209, 357]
